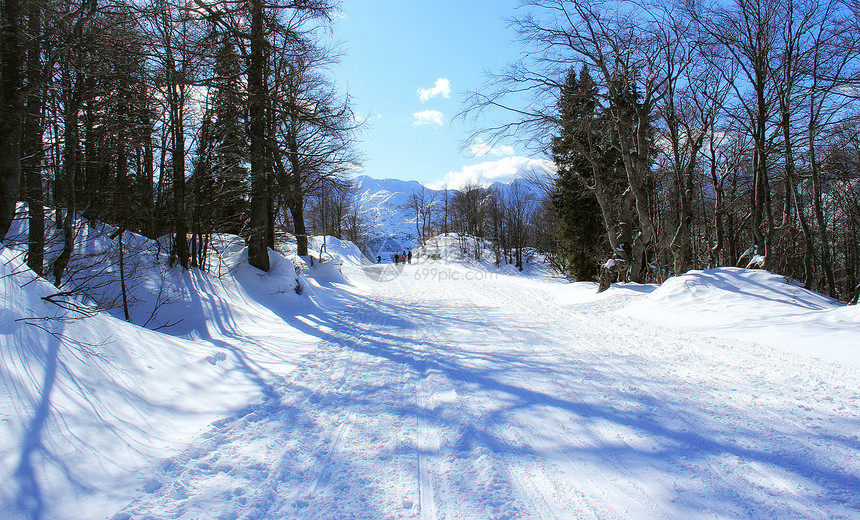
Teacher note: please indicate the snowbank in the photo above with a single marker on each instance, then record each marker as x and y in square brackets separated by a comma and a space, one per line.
[88, 401]
[338, 250]
[756, 306]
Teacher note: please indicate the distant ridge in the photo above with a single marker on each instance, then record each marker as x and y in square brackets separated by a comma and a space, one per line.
[383, 203]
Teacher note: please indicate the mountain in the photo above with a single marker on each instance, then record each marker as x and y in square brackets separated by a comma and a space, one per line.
[384, 205]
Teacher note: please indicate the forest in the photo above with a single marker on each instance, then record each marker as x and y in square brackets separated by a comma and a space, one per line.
[685, 135]
[169, 119]
[691, 135]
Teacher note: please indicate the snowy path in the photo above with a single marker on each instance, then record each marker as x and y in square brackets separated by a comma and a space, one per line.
[483, 399]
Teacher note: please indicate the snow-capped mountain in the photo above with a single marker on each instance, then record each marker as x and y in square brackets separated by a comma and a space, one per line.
[384, 205]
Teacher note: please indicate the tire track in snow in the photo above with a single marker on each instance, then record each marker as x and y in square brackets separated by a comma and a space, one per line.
[427, 501]
[461, 475]
[541, 481]
[464, 448]
[370, 363]
[424, 444]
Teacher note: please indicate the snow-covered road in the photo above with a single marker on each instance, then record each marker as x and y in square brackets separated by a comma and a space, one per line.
[452, 393]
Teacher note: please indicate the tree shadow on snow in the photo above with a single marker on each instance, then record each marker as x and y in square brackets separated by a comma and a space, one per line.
[684, 437]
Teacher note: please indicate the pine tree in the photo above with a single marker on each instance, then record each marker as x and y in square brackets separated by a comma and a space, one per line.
[583, 155]
[228, 142]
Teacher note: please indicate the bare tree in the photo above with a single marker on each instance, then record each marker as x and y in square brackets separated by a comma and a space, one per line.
[520, 205]
[748, 31]
[831, 48]
[313, 128]
[421, 204]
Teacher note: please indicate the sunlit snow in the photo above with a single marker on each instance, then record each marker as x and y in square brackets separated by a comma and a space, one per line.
[445, 388]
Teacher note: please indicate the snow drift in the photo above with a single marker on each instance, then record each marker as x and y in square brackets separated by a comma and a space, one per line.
[756, 306]
[89, 400]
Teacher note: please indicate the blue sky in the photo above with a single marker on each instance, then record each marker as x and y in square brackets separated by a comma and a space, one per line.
[407, 66]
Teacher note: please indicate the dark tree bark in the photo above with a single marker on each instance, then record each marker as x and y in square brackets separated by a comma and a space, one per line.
[175, 105]
[11, 108]
[33, 148]
[147, 183]
[72, 101]
[294, 188]
[180, 245]
[258, 252]
[297, 212]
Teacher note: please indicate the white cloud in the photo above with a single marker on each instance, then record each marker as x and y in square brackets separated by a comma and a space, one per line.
[441, 88]
[486, 173]
[428, 117]
[480, 148]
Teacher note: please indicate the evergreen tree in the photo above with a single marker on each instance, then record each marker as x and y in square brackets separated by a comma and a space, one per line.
[228, 142]
[583, 155]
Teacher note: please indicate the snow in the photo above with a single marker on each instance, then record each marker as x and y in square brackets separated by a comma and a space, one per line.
[757, 306]
[409, 393]
[384, 206]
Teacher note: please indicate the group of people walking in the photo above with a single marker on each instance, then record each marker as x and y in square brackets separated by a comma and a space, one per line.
[404, 257]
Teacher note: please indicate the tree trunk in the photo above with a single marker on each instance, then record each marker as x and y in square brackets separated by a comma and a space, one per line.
[11, 110]
[617, 233]
[270, 211]
[633, 246]
[147, 195]
[33, 150]
[258, 253]
[122, 276]
[197, 189]
[681, 245]
[760, 166]
[10, 166]
[297, 211]
[715, 252]
[180, 244]
[122, 201]
[792, 196]
[70, 167]
[90, 183]
[826, 260]
[175, 107]
[637, 168]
